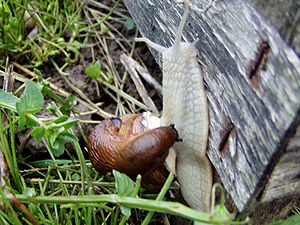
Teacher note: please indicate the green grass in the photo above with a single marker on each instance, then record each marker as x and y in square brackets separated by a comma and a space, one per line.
[65, 188]
[56, 28]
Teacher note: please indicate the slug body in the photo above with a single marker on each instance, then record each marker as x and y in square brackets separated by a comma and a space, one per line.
[185, 104]
[128, 145]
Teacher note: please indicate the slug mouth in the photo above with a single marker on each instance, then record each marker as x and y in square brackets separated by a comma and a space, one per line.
[178, 139]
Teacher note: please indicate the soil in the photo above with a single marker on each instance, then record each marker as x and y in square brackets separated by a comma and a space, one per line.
[79, 78]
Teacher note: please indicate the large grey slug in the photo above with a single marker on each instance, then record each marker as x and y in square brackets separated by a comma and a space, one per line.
[185, 105]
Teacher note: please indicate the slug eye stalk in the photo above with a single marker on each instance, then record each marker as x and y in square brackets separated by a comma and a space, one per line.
[178, 139]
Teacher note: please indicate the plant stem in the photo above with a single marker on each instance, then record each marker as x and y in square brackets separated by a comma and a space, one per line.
[151, 205]
[160, 197]
[105, 18]
[4, 146]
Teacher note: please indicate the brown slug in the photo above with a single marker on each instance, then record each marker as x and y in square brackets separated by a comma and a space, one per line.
[126, 144]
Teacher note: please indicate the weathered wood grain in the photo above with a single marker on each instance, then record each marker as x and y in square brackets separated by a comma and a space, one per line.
[285, 178]
[282, 190]
[264, 110]
[284, 16]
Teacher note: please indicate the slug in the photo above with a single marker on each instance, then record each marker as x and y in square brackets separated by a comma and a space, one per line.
[128, 145]
[185, 104]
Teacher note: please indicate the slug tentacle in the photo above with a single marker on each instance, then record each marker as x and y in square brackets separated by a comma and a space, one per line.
[193, 43]
[178, 139]
[177, 41]
[157, 47]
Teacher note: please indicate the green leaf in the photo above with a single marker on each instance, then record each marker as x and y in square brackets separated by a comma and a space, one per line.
[57, 134]
[6, 10]
[94, 70]
[67, 136]
[295, 219]
[56, 143]
[124, 185]
[75, 177]
[68, 105]
[52, 107]
[47, 90]
[105, 30]
[33, 208]
[38, 133]
[38, 72]
[40, 79]
[111, 79]
[57, 147]
[51, 137]
[22, 122]
[32, 99]
[65, 124]
[60, 119]
[61, 147]
[31, 123]
[129, 24]
[60, 130]
[220, 210]
[69, 124]
[8, 98]
[29, 192]
[125, 211]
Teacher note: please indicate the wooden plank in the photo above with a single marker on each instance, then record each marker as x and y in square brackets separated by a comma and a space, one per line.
[264, 110]
[282, 190]
[285, 178]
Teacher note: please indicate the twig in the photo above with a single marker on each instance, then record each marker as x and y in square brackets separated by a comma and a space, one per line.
[144, 73]
[139, 85]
